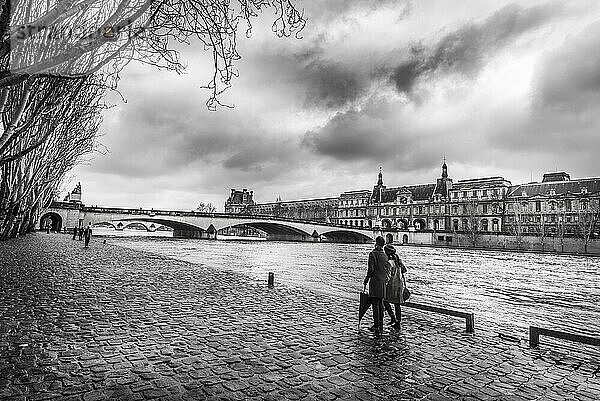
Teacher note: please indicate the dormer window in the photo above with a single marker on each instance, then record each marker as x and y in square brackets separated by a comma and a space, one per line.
[524, 193]
[584, 190]
[552, 192]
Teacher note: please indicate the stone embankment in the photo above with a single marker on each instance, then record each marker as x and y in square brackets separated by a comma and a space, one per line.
[111, 323]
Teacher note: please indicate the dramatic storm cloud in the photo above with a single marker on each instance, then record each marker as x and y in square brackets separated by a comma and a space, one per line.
[466, 50]
[499, 87]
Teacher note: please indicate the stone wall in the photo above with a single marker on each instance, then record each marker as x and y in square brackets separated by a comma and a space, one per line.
[528, 243]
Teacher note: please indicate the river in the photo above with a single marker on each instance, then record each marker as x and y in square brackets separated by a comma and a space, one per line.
[507, 291]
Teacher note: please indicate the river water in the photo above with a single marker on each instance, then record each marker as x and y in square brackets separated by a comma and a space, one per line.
[507, 291]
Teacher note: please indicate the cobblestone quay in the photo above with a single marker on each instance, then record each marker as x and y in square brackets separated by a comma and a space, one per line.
[111, 323]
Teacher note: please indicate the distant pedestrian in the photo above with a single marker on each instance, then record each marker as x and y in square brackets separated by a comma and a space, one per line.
[394, 288]
[80, 233]
[87, 234]
[376, 277]
[74, 232]
[47, 228]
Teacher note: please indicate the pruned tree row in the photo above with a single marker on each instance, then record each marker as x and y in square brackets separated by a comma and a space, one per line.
[57, 126]
[59, 57]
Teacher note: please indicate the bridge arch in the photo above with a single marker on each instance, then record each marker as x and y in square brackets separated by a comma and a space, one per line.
[341, 235]
[51, 220]
[180, 229]
[134, 224]
[104, 224]
[275, 231]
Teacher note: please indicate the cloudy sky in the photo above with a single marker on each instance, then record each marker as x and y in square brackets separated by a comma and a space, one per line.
[509, 88]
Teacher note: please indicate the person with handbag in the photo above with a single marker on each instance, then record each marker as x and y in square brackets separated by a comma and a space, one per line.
[395, 286]
[376, 277]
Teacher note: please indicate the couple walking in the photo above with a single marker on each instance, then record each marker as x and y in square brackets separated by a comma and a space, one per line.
[385, 277]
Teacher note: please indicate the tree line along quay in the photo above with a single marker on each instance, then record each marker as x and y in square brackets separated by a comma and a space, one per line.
[53, 86]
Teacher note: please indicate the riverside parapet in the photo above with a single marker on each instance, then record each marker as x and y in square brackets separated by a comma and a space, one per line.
[108, 322]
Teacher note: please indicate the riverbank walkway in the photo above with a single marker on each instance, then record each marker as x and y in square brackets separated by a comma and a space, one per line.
[112, 323]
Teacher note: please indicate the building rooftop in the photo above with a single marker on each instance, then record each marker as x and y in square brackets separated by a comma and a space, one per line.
[587, 185]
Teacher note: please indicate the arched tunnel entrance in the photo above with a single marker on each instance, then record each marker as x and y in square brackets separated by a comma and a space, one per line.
[51, 221]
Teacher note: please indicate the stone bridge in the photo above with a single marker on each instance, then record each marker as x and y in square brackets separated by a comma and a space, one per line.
[190, 224]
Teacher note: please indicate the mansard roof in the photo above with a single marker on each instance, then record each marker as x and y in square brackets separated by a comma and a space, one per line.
[574, 187]
[332, 200]
[484, 182]
[417, 192]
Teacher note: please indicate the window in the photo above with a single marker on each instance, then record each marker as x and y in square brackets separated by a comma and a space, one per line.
[568, 205]
[464, 194]
[485, 209]
[552, 205]
[465, 224]
[455, 195]
[584, 205]
[484, 192]
[474, 194]
[538, 206]
[455, 210]
[495, 192]
[484, 225]
[464, 209]
[420, 209]
[455, 224]
[495, 225]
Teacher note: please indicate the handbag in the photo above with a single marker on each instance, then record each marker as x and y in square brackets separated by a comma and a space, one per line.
[406, 292]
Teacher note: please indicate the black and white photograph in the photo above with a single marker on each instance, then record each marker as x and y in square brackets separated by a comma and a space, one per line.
[300, 200]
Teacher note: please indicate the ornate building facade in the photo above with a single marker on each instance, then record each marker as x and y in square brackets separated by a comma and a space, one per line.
[557, 206]
[242, 202]
[239, 202]
[491, 205]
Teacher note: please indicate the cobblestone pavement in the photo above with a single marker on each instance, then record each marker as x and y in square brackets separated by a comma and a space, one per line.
[111, 323]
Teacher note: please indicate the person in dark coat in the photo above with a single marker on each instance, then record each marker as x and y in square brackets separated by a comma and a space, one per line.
[80, 233]
[87, 234]
[394, 288]
[74, 232]
[376, 278]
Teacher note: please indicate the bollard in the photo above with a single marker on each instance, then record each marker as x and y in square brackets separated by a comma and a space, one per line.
[271, 281]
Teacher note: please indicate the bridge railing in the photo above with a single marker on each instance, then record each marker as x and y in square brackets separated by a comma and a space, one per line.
[179, 213]
[191, 213]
